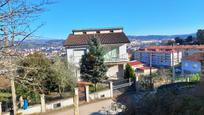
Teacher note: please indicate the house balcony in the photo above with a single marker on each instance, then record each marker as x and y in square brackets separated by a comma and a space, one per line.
[117, 59]
[110, 60]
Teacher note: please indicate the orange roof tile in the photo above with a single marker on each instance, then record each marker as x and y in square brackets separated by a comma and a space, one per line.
[135, 62]
[176, 47]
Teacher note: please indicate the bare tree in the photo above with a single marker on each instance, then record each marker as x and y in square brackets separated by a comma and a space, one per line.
[16, 19]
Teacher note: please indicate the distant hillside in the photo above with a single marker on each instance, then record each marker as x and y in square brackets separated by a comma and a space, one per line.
[34, 43]
[159, 37]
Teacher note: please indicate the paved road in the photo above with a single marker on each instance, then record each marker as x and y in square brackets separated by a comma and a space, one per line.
[88, 109]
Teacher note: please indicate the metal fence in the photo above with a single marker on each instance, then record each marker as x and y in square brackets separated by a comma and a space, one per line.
[122, 83]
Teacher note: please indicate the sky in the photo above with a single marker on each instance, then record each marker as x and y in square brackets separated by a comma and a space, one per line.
[137, 17]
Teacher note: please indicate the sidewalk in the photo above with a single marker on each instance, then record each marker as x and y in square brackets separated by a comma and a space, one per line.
[87, 109]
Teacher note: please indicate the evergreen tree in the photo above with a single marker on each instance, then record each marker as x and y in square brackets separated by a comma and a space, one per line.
[129, 71]
[200, 36]
[93, 68]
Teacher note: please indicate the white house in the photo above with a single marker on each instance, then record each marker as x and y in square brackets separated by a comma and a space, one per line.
[141, 69]
[192, 64]
[113, 40]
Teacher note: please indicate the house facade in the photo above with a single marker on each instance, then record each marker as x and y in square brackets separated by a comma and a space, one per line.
[141, 69]
[113, 40]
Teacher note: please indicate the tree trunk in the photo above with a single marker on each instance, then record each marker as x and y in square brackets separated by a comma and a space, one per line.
[60, 91]
[95, 86]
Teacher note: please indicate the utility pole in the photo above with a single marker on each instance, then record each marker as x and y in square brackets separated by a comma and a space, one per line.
[150, 73]
[76, 101]
[173, 69]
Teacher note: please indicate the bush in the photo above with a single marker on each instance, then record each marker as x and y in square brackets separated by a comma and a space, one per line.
[129, 72]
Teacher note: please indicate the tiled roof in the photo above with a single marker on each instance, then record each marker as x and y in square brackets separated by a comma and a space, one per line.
[195, 57]
[177, 47]
[135, 62]
[104, 38]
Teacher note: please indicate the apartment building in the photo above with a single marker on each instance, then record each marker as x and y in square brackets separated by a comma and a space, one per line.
[159, 58]
[185, 49]
[113, 40]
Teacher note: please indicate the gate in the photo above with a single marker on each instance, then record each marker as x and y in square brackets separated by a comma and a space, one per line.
[82, 94]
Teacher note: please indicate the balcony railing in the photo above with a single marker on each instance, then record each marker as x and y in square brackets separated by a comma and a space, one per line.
[76, 60]
[118, 58]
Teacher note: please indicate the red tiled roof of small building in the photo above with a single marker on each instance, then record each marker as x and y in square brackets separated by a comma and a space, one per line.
[135, 62]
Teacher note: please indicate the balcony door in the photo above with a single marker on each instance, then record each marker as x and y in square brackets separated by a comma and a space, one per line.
[111, 53]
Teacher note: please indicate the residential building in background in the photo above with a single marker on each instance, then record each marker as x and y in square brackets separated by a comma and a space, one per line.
[140, 68]
[192, 63]
[185, 49]
[113, 40]
[158, 58]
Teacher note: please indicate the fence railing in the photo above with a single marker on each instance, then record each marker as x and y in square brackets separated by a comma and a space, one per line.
[123, 57]
[122, 83]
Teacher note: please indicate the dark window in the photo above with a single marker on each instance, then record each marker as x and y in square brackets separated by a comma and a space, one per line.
[57, 105]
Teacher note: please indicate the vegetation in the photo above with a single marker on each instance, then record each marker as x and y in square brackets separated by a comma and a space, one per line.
[63, 75]
[185, 41]
[186, 98]
[193, 77]
[163, 75]
[93, 68]
[129, 72]
[173, 102]
[200, 36]
[190, 40]
[99, 87]
[43, 76]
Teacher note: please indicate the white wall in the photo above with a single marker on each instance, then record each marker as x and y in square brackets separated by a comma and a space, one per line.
[112, 71]
[100, 94]
[70, 55]
[115, 71]
[75, 55]
[64, 103]
[49, 106]
[78, 33]
[123, 49]
[117, 31]
[91, 32]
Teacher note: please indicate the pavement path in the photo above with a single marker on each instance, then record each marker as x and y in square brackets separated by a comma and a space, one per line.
[87, 109]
